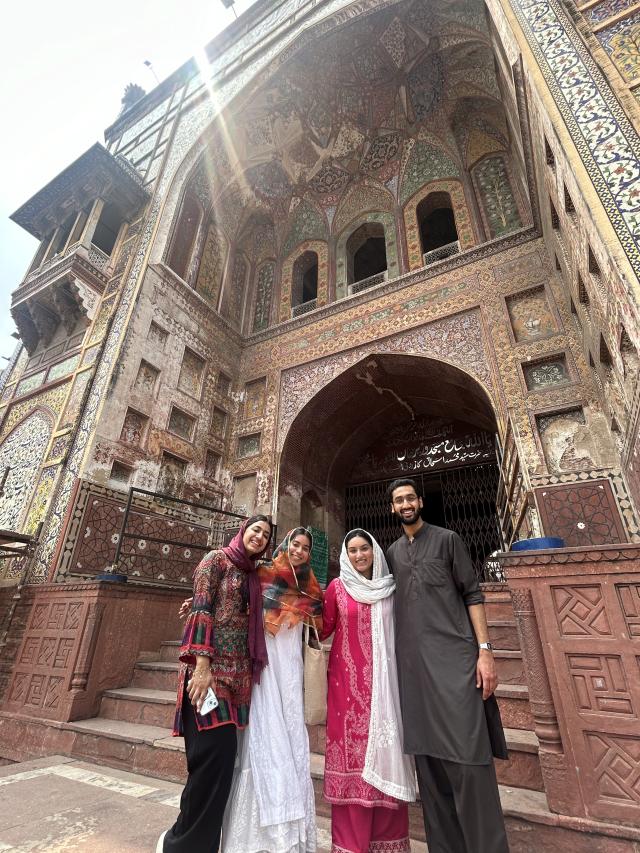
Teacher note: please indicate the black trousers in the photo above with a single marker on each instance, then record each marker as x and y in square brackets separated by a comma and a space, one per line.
[211, 755]
[461, 807]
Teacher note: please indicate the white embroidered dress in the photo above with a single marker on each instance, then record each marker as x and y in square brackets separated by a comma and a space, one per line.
[271, 808]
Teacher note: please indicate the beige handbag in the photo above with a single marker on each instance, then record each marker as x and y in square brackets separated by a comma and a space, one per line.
[315, 678]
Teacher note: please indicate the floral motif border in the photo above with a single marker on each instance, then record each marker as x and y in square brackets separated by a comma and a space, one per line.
[607, 143]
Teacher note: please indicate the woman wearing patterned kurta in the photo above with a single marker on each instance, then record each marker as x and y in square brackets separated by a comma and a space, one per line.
[223, 648]
[367, 778]
[272, 805]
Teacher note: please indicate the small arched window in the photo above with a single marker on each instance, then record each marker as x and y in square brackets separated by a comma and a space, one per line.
[366, 252]
[304, 287]
[184, 236]
[436, 222]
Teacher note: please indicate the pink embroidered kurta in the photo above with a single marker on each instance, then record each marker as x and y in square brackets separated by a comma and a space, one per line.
[349, 677]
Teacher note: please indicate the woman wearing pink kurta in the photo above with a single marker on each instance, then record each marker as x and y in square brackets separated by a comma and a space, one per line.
[368, 780]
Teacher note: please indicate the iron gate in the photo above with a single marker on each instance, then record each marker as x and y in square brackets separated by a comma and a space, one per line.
[468, 506]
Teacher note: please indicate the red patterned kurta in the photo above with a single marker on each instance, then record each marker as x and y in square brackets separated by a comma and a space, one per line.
[349, 676]
[218, 627]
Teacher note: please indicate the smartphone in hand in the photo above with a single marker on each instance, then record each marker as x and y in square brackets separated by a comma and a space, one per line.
[209, 704]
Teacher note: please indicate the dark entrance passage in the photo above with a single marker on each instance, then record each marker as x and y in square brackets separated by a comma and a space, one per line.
[462, 499]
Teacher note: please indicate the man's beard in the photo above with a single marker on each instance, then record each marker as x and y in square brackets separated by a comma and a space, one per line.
[411, 519]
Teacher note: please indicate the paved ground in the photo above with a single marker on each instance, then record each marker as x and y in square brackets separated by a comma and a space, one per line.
[57, 804]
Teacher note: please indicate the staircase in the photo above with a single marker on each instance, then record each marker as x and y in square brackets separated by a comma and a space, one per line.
[132, 730]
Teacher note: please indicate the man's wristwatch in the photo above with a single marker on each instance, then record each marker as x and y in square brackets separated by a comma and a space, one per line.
[486, 646]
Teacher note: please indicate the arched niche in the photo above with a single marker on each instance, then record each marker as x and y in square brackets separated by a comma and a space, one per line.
[496, 197]
[22, 452]
[366, 252]
[185, 233]
[263, 295]
[235, 290]
[304, 282]
[344, 265]
[455, 192]
[318, 247]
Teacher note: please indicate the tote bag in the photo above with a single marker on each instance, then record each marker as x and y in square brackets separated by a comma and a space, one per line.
[315, 678]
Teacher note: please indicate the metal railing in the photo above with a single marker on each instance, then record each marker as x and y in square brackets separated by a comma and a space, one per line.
[366, 283]
[304, 308]
[162, 538]
[441, 253]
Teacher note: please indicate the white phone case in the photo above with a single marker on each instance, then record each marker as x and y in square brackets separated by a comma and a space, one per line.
[210, 702]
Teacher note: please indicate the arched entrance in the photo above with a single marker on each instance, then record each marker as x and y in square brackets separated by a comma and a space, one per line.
[390, 416]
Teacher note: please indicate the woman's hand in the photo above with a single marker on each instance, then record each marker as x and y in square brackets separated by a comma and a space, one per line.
[199, 683]
[185, 608]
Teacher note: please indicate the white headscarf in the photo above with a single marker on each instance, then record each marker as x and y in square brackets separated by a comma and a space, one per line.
[386, 767]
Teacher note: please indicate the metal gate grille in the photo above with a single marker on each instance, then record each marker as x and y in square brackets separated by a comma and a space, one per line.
[468, 500]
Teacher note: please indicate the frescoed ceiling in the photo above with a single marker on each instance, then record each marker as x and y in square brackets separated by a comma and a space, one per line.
[352, 106]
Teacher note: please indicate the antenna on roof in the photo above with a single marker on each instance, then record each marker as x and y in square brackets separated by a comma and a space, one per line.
[228, 4]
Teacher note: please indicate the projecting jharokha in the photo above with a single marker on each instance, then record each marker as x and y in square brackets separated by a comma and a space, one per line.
[362, 241]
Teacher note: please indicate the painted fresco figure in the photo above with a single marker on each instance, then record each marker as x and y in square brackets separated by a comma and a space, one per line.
[271, 808]
[368, 780]
[446, 669]
[223, 647]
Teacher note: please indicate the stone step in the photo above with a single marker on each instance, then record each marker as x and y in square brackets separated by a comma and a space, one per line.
[157, 675]
[140, 705]
[503, 634]
[510, 666]
[169, 651]
[515, 710]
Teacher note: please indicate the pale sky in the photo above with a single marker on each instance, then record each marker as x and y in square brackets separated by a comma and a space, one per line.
[65, 68]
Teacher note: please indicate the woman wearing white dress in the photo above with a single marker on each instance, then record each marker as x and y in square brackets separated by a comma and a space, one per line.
[271, 808]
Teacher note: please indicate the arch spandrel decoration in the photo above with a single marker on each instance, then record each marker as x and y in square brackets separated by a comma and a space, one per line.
[457, 340]
[322, 251]
[23, 452]
[387, 220]
[460, 211]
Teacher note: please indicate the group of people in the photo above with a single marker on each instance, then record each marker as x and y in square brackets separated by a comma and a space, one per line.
[411, 679]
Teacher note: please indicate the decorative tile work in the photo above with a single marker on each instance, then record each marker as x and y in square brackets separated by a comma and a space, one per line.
[264, 291]
[426, 163]
[606, 141]
[100, 323]
[223, 384]
[620, 40]
[219, 419]
[496, 196]
[146, 379]
[234, 292]
[308, 223]
[90, 355]
[530, 315]
[22, 452]
[52, 401]
[134, 428]
[191, 373]
[458, 340]
[255, 398]
[59, 447]
[358, 200]
[248, 445]
[181, 424]
[547, 373]
[607, 9]
[211, 270]
[460, 212]
[62, 368]
[44, 490]
[322, 250]
[74, 404]
[30, 383]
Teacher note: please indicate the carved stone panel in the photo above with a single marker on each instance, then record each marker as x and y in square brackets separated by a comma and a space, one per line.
[581, 513]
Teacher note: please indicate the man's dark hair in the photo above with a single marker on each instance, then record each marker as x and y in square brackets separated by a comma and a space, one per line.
[402, 481]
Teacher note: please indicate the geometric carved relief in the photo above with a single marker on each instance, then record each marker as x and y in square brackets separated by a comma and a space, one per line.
[629, 597]
[616, 768]
[600, 683]
[581, 513]
[580, 611]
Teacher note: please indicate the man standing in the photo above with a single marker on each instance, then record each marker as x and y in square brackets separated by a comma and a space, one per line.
[445, 669]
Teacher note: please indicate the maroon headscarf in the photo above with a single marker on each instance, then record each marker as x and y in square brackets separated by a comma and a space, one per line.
[236, 552]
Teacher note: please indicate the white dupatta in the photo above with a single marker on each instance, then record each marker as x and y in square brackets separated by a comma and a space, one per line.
[386, 767]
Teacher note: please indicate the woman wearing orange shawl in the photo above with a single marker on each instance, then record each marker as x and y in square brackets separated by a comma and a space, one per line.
[271, 808]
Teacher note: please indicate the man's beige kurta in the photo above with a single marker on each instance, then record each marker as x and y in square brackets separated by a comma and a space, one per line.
[442, 709]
